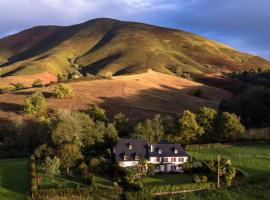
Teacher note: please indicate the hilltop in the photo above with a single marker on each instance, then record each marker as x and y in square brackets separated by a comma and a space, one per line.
[107, 46]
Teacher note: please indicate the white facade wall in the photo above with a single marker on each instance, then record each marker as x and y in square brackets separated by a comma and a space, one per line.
[128, 163]
[153, 160]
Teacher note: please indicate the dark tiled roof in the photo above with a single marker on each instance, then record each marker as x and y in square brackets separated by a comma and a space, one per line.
[139, 147]
[167, 150]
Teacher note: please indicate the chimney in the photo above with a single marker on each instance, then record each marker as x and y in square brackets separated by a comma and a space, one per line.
[151, 148]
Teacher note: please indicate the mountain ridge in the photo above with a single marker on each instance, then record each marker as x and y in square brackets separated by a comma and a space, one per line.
[108, 46]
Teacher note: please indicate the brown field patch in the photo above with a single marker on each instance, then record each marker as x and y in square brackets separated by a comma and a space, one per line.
[137, 96]
[27, 80]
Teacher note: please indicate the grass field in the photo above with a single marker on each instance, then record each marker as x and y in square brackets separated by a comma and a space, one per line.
[168, 179]
[253, 191]
[253, 159]
[75, 181]
[14, 179]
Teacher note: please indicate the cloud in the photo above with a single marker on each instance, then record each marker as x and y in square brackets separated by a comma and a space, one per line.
[240, 23]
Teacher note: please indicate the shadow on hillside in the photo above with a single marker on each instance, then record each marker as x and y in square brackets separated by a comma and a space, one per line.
[26, 93]
[11, 107]
[164, 100]
[95, 67]
[44, 45]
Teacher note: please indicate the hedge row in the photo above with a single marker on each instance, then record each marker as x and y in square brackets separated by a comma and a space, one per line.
[208, 146]
[178, 188]
[76, 193]
[34, 184]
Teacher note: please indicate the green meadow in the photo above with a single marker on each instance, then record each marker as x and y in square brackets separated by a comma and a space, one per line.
[14, 179]
[253, 159]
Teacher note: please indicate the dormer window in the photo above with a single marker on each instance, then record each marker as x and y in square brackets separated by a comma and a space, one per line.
[129, 146]
[159, 151]
[137, 157]
[175, 151]
[125, 157]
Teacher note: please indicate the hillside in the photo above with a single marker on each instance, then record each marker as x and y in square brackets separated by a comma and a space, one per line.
[107, 46]
[138, 96]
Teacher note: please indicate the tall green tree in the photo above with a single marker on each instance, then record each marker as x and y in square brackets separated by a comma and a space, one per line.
[122, 124]
[35, 103]
[97, 114]
[206, 118]
[189, 129]
[111, 135]
[152, 130]
[52, 165]
[230, 126]
[77, 128]
[70, 155]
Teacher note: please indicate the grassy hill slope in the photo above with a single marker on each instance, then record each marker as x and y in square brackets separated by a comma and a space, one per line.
[107, 46]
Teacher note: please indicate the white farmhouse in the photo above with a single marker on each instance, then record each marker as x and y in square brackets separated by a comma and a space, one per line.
[166, 157]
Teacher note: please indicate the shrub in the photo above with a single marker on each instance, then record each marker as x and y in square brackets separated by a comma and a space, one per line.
[151, 170]
[18, 86]
[97, 114]
[61, 78]
[196, 179]
[62, 91]
[35, 103]
[203, 178]
[52, 165]
[95, 164]
[37, 83]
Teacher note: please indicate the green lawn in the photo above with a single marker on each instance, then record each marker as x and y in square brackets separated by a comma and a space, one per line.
[75, 181]
[14, 179]
[253, 191]
[253, 159]
[168, 179]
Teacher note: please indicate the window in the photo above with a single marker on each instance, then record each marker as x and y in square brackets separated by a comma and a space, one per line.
[125, 157]
[158, 159]
[180, 159]
[129, 146]
[173, 159]
[137, 157]
[175, 151]
[165, 159]
[159, 151]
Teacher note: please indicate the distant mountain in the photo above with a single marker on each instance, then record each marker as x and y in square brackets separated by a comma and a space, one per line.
[103, 46]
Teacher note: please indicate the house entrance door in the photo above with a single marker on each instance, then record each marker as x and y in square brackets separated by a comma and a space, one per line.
[173, 168]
